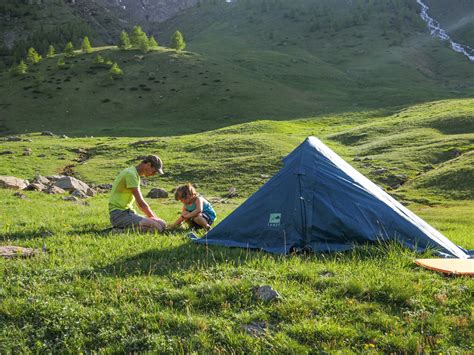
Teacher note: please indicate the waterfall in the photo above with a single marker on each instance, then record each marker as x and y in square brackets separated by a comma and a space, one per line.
[436, 30]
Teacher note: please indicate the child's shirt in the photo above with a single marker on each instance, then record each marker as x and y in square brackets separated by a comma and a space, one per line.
[206, 208]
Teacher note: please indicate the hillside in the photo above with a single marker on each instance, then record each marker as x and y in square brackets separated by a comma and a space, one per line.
[243, 62]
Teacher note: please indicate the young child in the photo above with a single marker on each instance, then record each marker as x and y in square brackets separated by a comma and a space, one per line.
[197, 211]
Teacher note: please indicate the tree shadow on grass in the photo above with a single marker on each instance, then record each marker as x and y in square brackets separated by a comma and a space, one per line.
[176, 258]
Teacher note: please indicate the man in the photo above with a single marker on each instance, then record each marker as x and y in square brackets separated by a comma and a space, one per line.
[126, 190]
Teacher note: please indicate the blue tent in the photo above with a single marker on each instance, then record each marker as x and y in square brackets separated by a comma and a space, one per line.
[319, 201]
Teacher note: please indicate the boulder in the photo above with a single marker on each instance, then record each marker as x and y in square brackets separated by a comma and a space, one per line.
[20, 195]
[11, 182]
[265, 293]
[91, 192]
[41, 179]
[36, 186]
[157, 193]
[70, 183]
[54, 178]
[54, 190]
[27, 152]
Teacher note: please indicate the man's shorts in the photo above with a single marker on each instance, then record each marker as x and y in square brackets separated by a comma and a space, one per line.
[125, 219]
[208, 219]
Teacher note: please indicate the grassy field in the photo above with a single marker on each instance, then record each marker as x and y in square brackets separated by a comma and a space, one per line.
[253, 83]
[129, 292]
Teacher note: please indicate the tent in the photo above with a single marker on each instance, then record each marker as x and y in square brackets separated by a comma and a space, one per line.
[318, 201]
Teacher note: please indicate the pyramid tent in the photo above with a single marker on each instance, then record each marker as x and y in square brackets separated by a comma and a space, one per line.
[319, 201]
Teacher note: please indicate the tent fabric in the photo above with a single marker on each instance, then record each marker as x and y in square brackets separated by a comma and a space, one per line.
[319, 201]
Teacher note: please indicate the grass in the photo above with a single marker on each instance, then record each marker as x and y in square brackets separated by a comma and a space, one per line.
[390, 100]
[94, 291]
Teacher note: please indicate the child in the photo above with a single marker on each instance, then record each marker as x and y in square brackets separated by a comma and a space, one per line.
[197, 211]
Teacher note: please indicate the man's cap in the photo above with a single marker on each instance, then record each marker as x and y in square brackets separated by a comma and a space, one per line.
[155, 162]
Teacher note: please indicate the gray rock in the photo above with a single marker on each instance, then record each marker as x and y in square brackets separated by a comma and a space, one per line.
[265, 293]
[63, 136]
[54, 190]
[379, 171]
[232, 193]
[104, 187]
[70, 183]
[79, 151]
[91, 192]
[54, 178]
[264, 176]
[20, 195]
[401, 177]
[36, 186]
[41, 179]
[41, 155]
[47, 133]
[79, 194]
[357, 159]
[157, 193]
[14, 139]
[256, 329]
[11, 182]
[5, 152]
[70, 198]
[27, 152]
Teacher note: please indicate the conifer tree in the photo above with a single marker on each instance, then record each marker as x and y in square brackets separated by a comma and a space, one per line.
[86, 45]
[152, 42]
[69, 50]
[33, 56]
[61, 63]
[51, 51]
[115, 71]
[177, 41]
[144, 44]
[124, 40]
[137, 34]
[99, 59]
[20, 69]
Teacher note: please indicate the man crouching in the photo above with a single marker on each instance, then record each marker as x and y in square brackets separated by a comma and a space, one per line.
[126, 189]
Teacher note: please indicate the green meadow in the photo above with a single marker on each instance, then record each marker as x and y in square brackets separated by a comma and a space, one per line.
[252, 84]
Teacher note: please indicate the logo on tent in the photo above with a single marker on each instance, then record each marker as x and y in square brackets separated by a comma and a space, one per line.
[274, 220]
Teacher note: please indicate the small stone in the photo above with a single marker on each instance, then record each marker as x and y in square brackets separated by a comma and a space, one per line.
[265, 293]
[357, 159]
[106, 187]
[41, 179]
[41, 155]
[256, 329]
[70, 198]
[232, 193]
[20, 195]
[79, 194]
[264, 176]
[157, 193]
[27, 152]
[379, 171]
[401, 177]
[47, 133]
[63, 136]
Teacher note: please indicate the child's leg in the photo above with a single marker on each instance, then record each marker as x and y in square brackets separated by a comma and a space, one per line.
[201, 221]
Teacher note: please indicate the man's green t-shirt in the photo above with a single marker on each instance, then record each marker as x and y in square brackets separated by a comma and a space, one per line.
[121, 197]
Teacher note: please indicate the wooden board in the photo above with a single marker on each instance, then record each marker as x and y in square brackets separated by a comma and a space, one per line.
[449, 266]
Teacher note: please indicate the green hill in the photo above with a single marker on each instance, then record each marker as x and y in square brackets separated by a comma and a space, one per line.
[244, 62]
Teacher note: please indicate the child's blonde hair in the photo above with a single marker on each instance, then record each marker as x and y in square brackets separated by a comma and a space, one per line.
[184, 191]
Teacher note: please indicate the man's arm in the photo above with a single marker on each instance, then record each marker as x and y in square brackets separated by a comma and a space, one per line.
[141, 203]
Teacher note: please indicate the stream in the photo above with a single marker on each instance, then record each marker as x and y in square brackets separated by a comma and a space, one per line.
[436, 30]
